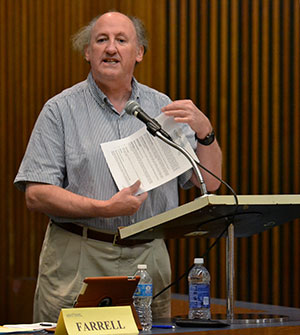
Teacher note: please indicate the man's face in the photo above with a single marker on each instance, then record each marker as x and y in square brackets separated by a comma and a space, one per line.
[113, 50]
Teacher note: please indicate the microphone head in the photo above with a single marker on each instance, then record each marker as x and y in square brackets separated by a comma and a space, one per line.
[131, 106]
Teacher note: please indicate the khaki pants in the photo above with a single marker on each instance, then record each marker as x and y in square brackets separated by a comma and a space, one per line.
[66, 259]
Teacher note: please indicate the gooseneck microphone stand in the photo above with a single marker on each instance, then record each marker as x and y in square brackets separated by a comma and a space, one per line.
[202, 185]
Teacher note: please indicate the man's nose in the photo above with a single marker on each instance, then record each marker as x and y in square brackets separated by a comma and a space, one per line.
[111, 46]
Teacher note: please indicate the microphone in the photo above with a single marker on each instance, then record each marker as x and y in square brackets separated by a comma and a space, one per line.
[133, 108]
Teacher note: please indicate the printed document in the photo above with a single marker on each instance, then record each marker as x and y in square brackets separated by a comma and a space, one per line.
[147, 158]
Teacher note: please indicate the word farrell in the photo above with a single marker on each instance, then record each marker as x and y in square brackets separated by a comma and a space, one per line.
[99, 325]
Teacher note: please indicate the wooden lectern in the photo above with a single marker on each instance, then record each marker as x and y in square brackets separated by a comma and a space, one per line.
[209, 215]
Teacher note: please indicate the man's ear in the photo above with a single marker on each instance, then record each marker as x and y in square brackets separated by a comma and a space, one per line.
[87, 53]
[140, 54]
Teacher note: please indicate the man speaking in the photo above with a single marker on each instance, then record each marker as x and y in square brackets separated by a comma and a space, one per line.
[64, 173]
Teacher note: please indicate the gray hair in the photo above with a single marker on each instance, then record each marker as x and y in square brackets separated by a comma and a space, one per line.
[83, 37]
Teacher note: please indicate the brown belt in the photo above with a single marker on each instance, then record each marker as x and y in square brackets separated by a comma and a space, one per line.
[97, 235]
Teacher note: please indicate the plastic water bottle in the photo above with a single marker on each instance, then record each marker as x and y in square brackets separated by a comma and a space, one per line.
[142, 297]
[199, 291]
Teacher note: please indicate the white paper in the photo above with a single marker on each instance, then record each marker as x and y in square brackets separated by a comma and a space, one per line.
[25, 328]
[144, 157]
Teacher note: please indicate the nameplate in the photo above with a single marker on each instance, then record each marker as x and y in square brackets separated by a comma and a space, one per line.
[96, 320]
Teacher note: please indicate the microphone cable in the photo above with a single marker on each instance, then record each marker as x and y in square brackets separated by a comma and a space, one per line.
[231, 221]
[224, 183]
[189, 269]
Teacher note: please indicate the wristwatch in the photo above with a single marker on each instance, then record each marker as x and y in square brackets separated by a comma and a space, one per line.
[206, 140]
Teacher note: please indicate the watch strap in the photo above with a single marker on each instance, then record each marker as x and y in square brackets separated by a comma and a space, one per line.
[207, 140]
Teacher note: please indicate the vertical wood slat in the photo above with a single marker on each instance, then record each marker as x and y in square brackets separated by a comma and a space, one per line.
[4, 246]
[276, 144]
[238, 61]
[192, 46]
[182, 35]
[264, 133]
[295, 69]
[244, 161]
[254, 140]
[173, 55]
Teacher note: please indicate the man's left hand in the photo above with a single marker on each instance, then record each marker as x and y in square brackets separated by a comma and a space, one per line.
[185, 111]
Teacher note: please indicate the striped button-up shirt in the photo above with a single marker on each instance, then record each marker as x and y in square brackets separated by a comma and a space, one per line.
[64, 149]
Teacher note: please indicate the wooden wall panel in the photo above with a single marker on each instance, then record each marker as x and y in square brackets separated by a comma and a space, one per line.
[239, 61]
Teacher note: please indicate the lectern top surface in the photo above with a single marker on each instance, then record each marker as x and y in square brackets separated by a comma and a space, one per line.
[208, 216]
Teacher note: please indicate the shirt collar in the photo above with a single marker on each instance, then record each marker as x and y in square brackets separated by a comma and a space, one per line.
[102, 99]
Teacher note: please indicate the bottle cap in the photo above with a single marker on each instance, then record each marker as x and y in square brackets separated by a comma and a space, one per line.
[198, 260]
[142, 266]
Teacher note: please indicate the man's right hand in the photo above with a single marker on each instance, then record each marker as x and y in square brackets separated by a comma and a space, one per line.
[54, 200]
[126, 202]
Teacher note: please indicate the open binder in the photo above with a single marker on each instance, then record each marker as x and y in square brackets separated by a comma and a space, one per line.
[209, 216]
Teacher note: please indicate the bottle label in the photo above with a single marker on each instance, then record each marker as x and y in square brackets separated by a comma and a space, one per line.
[143, 290]
[199, 296]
